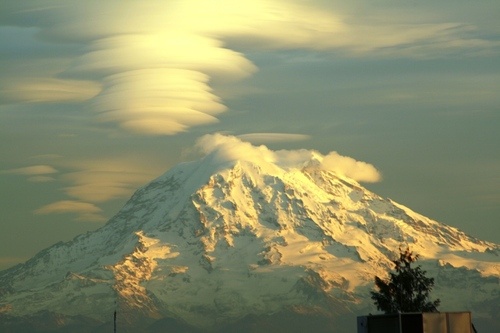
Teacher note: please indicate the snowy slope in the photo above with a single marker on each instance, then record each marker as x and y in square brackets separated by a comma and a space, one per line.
[213, 241]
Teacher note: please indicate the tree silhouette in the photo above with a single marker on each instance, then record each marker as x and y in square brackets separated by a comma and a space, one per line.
[407, 289]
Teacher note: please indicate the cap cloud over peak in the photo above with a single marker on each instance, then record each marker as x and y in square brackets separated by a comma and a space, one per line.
[226, 149]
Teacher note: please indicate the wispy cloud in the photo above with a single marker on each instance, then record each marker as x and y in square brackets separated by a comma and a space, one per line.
[68, 206]
[41, 179]
[89, 182]
[96, 181]
[86, 187]
[86, 211]
[106, 179]
[34, 170]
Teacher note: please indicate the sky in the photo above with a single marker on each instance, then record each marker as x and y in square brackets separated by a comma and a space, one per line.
[99, 97]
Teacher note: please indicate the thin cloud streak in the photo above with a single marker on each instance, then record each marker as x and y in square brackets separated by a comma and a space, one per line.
[68, 206]
[261, 138]
[33, 170]
[86, 211]
[41, 179]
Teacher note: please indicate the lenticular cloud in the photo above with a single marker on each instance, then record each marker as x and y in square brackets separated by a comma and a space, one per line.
[148, 65]
[223, 148]
[154, 60]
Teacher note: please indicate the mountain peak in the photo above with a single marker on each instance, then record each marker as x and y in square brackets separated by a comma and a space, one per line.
[214, 241]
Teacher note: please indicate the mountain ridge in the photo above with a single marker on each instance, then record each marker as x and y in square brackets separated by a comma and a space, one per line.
[213, 241]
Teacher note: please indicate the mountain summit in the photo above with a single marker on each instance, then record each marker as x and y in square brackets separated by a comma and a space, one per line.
[245, 240]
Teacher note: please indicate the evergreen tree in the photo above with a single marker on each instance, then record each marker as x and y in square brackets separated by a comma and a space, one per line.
[407, 289]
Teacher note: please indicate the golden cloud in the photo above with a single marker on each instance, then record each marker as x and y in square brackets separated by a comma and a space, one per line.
[106, 179]
[69, 206]
[224, 148]
[86, 212]
[147, 65]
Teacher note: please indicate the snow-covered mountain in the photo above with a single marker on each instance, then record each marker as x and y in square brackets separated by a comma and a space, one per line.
[251, 244]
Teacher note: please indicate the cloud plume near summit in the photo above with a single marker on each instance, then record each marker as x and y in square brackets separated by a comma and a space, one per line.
[226, 149]
[148, 65]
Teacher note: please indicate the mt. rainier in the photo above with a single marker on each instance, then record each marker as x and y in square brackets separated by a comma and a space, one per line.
[277, 241]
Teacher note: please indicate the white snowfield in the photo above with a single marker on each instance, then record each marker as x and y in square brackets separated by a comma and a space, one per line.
[213, 240]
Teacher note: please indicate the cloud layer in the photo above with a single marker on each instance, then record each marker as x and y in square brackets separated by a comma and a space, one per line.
[105, 179]
[86, 211]
[89, 183]
[37, 173]
[148, 65]
[34, 170]
[223, 149]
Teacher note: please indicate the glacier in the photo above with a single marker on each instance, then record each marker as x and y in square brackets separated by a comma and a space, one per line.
[244, 245]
